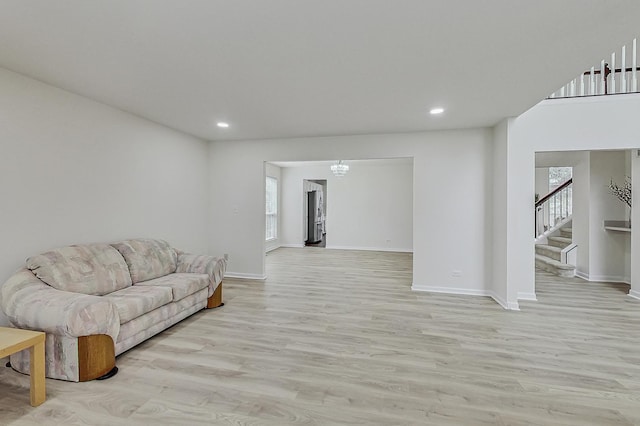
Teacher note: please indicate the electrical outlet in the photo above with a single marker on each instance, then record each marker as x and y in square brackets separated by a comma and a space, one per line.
[456, 273]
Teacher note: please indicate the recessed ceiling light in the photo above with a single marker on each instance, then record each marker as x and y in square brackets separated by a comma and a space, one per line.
[435, 111]
[222, 124]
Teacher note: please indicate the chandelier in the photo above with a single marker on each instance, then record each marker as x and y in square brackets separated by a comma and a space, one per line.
[339, 169]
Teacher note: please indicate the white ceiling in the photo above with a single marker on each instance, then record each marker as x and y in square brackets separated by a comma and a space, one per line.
[287, 68]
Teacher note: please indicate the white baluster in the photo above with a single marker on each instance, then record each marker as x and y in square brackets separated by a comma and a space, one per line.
[623, 75]
[562, 92]
[592, 81]
[581, 84]
[572, 88]
[612, 88]
[601, 77]
[634, 77]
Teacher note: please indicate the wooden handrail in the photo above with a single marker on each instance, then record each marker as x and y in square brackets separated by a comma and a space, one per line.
[608, 70]
[554, 192]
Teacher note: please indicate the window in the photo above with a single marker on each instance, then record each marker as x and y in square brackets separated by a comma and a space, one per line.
[558, 176]
[560, 206]
[271, 211]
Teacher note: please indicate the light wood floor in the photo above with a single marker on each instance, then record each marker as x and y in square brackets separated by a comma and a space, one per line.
[337, 337]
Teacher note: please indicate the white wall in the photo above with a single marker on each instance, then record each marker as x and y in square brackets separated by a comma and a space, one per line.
[271, 170]
[497, 278]
[628, 171]
[581, 222]
[635, 218]
[542, 181]
[371, 208]
[596, 123]
[607, 249]
[452, 177]
[506, 269]
[75, 171]
[558, 158]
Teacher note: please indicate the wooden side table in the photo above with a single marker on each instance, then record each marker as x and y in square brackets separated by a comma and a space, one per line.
[14, 340]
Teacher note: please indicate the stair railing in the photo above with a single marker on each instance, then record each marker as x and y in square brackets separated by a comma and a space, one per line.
[553, 208]
[606, 79]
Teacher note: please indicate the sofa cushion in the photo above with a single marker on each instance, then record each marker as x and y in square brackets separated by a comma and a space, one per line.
[135, 301]
[95, 269]
[182, 285]
[147, 259]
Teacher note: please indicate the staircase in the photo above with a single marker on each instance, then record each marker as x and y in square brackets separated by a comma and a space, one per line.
[548, 255]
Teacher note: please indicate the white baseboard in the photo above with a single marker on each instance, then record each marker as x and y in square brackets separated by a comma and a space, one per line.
[610, 279]
[400, 250]
[245, 276]
[268, 249]
[450, 290]
[527, 296]
[509, 306]
[635, 294]
[604, 278]
[498, 300]
[330, 247]
[513, 306]
[582, 275]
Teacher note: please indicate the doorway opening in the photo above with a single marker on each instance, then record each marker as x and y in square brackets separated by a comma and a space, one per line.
[582, 229]
[370, 209]
[315, 212]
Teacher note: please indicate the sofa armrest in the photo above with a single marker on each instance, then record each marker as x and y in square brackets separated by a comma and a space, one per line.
[30, 303]
[215, 267]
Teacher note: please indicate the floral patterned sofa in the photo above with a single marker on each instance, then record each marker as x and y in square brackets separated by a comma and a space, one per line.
[96, 301]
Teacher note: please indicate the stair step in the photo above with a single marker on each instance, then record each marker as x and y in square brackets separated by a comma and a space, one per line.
[561, 242]
[554, 266]
[566, 232]
[549, 251]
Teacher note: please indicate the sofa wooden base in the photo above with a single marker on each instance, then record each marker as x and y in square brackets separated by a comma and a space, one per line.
[216, 298]
[96, 356]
